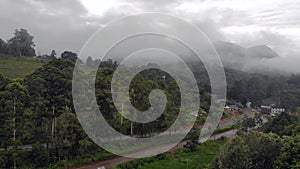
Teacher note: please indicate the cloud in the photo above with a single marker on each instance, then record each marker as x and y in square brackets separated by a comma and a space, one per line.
[67, 24]
[55, 24]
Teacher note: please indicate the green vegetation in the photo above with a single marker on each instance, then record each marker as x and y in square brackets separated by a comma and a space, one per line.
[37, 158]
[257, 150]
[289, 157]
[227, 113]
[18, 67]
[227, 128]
[39, 128]
[43, 117]
[200, 158]
[250, 150]
[38, 111]
[21, 44]
[282, 124]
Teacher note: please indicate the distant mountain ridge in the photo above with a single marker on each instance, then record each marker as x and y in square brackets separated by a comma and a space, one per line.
[238, 57]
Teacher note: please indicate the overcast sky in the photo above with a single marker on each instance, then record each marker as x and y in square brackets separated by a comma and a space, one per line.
[67, 24]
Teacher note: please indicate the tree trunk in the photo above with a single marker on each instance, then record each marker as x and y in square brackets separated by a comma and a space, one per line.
[14, 122]
[47, 139]
[53, 124]
[14, 130]
[15, 163]
[53, 129]
[14, 133]
[66, 160]
[122, 114]
[143, 130]
[131, 128]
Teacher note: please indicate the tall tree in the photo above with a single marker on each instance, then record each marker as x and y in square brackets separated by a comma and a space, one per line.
[3, 47]
[21, 44]
[53, 54]
[4, 133]
[15, 100]
[39, 105]
[67, 55]
[69, 135]
[51, 84]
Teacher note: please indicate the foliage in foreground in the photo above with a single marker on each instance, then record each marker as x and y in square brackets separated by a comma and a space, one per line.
[290, 154]
[257, 150]
[250, 150]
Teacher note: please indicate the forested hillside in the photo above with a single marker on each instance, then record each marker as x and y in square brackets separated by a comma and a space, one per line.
[38, 123]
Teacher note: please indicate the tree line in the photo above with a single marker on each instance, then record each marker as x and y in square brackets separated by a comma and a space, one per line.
[282, 91]
[37, 111]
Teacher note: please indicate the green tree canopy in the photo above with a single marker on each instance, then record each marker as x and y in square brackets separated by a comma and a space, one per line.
[290, 154]
[21, 44]
[281, 124]
[3, 47]
[67, 55]
[234, 155]
[250, 150]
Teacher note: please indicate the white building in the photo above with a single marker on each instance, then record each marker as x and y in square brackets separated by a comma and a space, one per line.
[275, 111]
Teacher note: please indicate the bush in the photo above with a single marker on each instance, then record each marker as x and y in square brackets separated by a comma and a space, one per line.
[290, 154]
[250, 150]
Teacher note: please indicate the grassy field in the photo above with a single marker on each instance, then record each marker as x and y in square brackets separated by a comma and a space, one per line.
[181, 159]
[18, 67]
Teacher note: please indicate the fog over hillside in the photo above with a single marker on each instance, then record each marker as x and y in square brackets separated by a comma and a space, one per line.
[249, 59]
[249, 35]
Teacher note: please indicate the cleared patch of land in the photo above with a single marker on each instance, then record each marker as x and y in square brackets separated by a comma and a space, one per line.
[18, 67]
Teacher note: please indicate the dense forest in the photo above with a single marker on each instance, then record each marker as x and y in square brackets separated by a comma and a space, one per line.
[38, 124]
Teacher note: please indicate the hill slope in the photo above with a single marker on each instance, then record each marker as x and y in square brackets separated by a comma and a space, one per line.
[18, 67]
